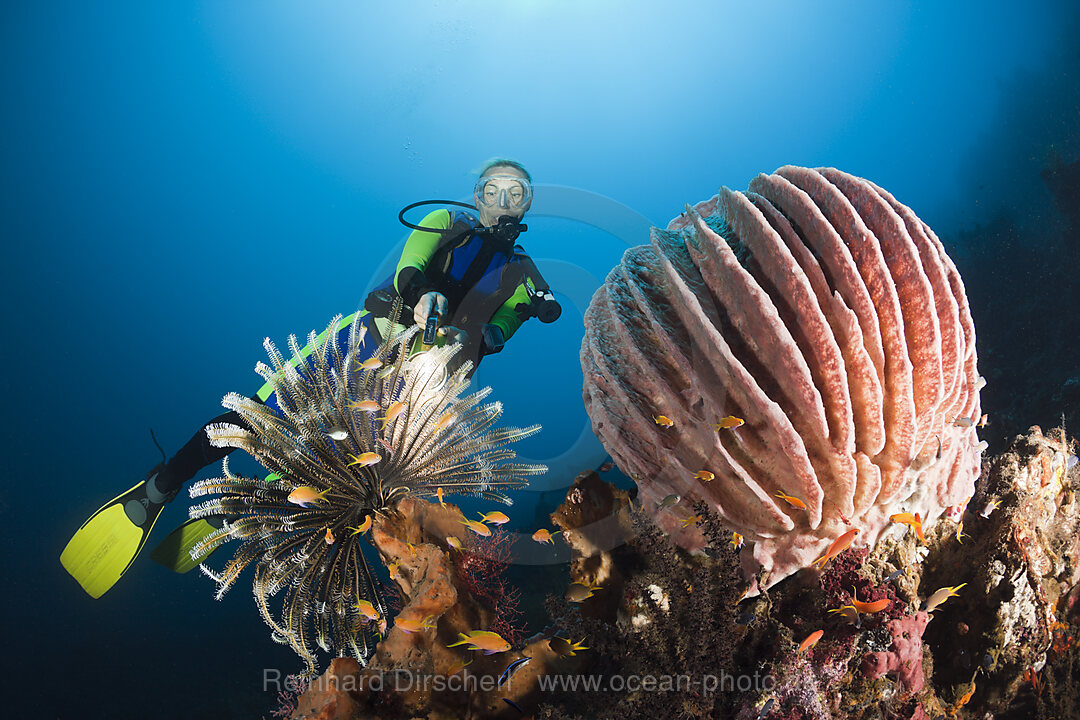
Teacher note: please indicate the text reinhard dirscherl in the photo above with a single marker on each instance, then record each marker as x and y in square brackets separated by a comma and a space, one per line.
[405, 680]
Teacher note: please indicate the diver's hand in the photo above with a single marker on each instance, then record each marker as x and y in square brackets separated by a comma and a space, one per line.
[430, 302]
[454, 335]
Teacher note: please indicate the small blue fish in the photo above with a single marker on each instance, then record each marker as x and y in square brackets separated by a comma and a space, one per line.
[514, 705]
[893, 575]
[746, 619]
[766, 708]
[510, 669]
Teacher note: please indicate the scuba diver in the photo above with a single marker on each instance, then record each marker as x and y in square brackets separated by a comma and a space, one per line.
[460, 276]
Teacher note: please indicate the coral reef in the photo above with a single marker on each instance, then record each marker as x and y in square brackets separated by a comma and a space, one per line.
[1020, 560]
[415, 674]
[660, 613]
[670, 634]
[354, 436]
[823, 313]
[1003, 644]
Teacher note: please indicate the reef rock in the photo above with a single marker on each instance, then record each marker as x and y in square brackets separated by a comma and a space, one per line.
[828, 317]
[1020, 561]
[415, 675]
[594, 520]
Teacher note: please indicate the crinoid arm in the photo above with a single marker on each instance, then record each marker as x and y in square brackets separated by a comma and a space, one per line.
[336, 462]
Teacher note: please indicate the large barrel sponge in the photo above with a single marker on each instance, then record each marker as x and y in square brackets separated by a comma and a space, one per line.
[825, 314]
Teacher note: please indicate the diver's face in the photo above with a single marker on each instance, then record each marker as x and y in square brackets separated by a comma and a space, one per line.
[497, 194]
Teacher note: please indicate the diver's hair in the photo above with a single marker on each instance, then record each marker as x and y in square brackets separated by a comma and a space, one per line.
[505, 162]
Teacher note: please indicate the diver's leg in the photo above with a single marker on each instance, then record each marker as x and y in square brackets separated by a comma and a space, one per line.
[196, 454]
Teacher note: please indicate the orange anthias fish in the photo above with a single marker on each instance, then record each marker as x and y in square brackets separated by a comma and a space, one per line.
[329, 537]
[364, 405]
[728, 423]
[915, 521]
[445, 421]
[736, 540]
[458, 667]
[485, 640]
[371, 364]
[704, 476]
[791, 500]
[477, 527]
[305, 495]
[364, 526]
[811, 640]
[395, 573]
[392, 412]
[367, 609]
[963, 699]
[364, 459]
[941, 596]
[453, 542]
[692, 520]
[494, 517]
[415, 625]
[663, 421]
[439, 494]
[543, 535]
[868, 607]
[838, 546]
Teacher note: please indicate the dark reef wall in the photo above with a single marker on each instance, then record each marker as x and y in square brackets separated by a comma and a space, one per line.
[1024, 288]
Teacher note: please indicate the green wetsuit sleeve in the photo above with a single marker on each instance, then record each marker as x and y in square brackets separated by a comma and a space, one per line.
[506, 317]
[409, 278]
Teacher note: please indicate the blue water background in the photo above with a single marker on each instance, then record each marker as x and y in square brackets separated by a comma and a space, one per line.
[183, 179]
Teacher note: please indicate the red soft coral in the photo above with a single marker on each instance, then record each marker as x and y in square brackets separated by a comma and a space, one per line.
[481, 567]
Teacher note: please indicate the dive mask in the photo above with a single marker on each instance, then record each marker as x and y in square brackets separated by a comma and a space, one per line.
[509, 192]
